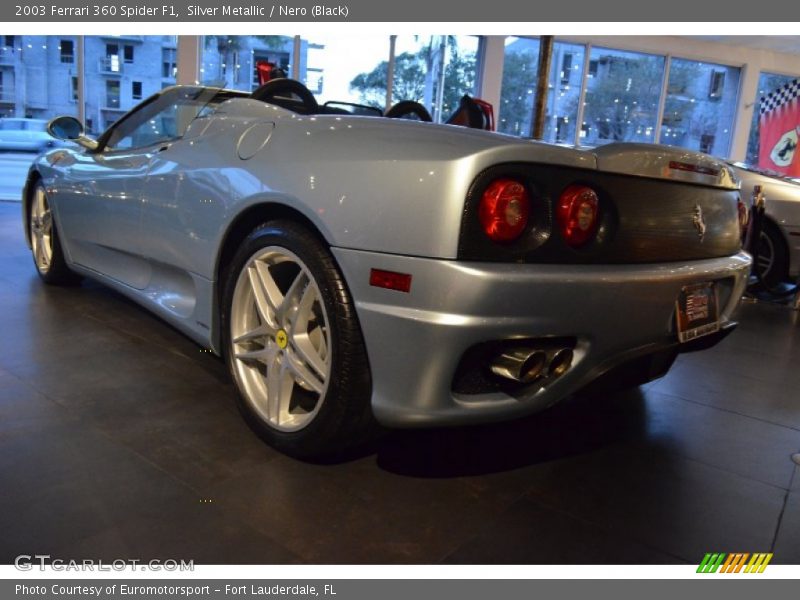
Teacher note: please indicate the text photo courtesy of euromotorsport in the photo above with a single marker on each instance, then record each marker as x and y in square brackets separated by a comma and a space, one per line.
[170, 11]
[187, 591]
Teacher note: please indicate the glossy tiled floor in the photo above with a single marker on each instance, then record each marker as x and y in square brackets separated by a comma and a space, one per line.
[119, 438]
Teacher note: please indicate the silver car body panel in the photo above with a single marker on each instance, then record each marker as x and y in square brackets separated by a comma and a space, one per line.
[415, 341]
[783, 208]
[665, 162]
[383, 193]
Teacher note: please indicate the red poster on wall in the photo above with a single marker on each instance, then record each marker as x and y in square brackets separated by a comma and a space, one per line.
[779, 130]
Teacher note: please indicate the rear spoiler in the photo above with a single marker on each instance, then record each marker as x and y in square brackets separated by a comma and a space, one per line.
[665, 162]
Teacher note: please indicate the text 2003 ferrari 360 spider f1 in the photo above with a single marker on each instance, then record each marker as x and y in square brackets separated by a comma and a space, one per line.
[353, 269]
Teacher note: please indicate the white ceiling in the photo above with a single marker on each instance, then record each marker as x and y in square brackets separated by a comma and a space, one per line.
[789, 44]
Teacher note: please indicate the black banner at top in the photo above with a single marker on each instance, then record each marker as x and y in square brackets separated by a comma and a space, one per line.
[471, 11]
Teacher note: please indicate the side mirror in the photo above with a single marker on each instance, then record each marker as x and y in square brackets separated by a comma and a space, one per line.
[70, 129]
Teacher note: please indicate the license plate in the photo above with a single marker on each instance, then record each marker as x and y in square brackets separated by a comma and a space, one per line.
[696, 311]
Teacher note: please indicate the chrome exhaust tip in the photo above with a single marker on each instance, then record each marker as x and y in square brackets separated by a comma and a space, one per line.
[522, 365]
[559, 362]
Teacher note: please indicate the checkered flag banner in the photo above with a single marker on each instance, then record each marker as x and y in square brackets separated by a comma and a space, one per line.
[779, 97]
[779, 130]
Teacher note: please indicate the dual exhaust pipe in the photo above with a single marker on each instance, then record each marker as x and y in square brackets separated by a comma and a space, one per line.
[526, 365]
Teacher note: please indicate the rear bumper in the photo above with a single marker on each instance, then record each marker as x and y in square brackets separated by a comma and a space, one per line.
[614, 313]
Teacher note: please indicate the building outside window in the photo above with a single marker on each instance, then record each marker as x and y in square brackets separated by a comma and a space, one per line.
[136, 90]
[67, 50]
[169, 63]
[717, 84]
[112, 94]
[767, 83]
[112, 62]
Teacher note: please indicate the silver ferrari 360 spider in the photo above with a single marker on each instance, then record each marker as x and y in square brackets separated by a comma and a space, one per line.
[362, 269]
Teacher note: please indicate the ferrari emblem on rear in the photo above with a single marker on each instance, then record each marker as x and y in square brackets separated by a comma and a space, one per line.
[699, 222]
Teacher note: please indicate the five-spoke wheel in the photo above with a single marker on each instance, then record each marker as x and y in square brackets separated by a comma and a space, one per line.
[45, 244]
[41, 228]
[293, 343]
[280, 339]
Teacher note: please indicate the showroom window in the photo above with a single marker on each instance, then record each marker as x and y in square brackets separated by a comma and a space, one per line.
[435, 71]
[346, 69]
[700, 107]
[563, 93]
[767, 83]
[622, 98]
[114, 65]
[518, 88]
[230, 61]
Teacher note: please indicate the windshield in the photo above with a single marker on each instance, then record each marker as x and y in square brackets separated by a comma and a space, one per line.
[162, 118]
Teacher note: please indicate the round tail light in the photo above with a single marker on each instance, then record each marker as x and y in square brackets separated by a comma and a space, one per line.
[577, 213]
[504, 210]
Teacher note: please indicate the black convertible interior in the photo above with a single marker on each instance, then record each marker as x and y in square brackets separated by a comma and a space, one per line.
[293, 95]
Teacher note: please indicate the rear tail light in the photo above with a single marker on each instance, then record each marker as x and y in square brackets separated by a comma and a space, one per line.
[744, 216]
[504, 210]
[578, 214]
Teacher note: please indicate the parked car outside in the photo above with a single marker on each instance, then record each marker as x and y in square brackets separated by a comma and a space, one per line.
[29, 135]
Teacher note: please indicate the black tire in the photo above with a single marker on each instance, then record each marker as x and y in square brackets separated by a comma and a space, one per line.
[56, 272]
[773, 242]
[344, 419]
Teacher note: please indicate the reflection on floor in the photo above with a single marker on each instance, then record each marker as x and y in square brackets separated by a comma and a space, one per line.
[119, 438]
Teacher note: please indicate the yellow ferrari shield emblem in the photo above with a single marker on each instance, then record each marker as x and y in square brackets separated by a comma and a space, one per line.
[282, 339]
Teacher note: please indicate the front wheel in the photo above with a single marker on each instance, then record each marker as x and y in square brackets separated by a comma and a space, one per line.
[48, 255]
[293, 343]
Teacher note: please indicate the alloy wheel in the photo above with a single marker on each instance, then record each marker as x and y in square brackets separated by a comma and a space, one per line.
[766, 255]
[41, 226]
[280, 339]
